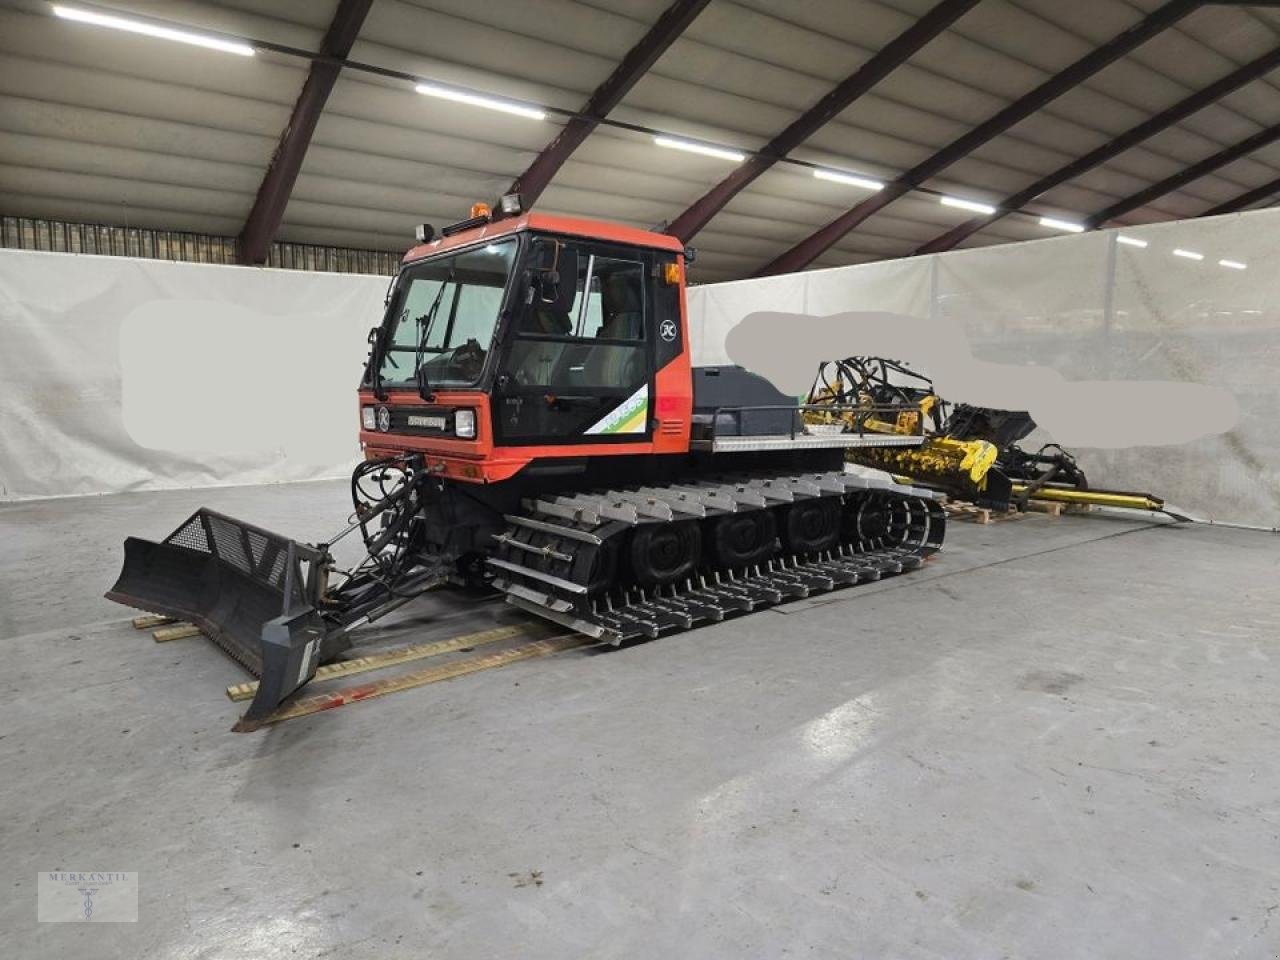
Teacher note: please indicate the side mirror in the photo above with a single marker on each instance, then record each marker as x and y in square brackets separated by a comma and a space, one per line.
[555, 276]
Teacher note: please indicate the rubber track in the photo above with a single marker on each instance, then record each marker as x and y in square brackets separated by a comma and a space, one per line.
[546, 560]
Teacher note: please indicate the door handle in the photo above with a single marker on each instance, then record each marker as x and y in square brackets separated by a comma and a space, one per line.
[555, 400]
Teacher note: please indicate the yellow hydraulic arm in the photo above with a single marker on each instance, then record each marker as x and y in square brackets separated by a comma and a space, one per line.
[1096, 498]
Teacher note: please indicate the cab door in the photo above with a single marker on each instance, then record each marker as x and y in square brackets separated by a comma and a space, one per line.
[581, 372]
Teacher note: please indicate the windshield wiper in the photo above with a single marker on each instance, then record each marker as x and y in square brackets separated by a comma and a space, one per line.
[377, 354]
[425, 322]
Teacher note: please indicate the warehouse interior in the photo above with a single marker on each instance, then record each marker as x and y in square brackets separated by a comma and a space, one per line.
[423, 531]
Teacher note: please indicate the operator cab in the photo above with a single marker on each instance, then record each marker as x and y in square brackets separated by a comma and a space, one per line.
[562, 325]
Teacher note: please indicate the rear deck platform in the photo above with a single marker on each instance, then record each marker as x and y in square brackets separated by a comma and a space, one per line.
[1058, 740]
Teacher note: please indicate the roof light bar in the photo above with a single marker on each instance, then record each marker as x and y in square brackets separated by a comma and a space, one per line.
[1188, 254]
[484, 101]
[151, 30]
[963, 204]
[835, 176]
[706, 149]
[1233, 265]
[1131, 241]
[1066, 226]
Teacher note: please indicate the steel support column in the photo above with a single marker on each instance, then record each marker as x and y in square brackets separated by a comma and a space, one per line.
[1262, 138]
[1166, 118]
[673, 22]
[893, 55]
[1246, 199]
[813, 246]
[277, 185]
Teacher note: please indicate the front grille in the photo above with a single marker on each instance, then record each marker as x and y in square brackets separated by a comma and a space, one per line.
[420, 421]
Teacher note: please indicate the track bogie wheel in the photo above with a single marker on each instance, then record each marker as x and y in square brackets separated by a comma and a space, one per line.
[662, 553]
[741, 539]
[811, 526]
[875, 521]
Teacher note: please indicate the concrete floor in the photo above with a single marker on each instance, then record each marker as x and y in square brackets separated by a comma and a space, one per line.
[1058, 741]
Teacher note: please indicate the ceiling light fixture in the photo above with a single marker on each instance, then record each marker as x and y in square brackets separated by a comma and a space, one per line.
[151, 30]
[1131, 241]
[973, 205]
[1233, 264]
[835, 176]
[1066, 226]
[247, 46]
[441, 92]
[706, 149]
[1188, 254]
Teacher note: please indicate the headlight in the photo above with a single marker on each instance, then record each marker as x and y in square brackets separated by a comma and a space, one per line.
[368, 418]
[464, 424]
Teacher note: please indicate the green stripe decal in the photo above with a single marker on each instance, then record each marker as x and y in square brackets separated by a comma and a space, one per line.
[628, 417]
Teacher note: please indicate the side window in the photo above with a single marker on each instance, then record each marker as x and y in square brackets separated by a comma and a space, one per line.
[588, 312]
[608, 303]
[613, 305]
[598, 342]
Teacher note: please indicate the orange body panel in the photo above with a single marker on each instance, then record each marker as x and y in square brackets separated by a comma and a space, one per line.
[481, 461]
[673, 392]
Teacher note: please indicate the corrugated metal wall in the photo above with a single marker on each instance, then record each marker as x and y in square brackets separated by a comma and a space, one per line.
[61, 236]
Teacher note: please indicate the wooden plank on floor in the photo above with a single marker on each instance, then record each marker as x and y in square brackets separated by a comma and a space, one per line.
[180, 632]
[408, 681]
[152, 620]
[388, 658]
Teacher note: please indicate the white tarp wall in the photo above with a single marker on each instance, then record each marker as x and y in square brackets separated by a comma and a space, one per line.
[1091, 309]
[120, 374]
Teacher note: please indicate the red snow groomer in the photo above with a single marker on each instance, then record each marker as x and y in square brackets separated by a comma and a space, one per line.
[531, 422]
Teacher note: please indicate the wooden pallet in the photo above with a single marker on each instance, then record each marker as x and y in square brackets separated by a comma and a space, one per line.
[1050, 507]
[976, 514]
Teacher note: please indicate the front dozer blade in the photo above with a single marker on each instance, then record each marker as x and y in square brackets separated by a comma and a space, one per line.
[253, 593]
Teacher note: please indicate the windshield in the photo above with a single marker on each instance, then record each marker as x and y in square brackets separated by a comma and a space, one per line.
[442, 317]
